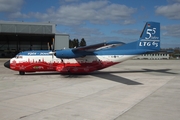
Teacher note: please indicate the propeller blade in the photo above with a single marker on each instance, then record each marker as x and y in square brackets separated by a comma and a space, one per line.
[52, 53]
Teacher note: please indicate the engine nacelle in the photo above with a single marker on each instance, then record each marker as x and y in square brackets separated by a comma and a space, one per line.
[68, 54]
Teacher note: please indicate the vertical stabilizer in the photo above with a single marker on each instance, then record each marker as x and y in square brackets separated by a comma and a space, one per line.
[150, 37]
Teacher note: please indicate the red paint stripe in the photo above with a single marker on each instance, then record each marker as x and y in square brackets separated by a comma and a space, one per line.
[61, 67]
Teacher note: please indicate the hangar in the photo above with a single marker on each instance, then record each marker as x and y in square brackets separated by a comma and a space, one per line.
[21, 36]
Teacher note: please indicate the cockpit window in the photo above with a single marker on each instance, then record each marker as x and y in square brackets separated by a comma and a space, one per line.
[19, 56]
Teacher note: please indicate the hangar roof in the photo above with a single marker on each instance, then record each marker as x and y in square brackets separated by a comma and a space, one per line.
[27, 28]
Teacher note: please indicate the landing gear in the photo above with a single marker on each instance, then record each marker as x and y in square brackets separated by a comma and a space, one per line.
[21, 72]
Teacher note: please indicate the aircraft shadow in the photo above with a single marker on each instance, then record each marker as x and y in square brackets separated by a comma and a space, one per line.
[108, 75]
[115, 78]
[100, 74]
[165, 71]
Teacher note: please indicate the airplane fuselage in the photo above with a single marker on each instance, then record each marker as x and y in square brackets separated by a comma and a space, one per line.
[45, 62]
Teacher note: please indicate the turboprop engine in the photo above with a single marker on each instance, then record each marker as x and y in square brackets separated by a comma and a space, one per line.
[68, 54]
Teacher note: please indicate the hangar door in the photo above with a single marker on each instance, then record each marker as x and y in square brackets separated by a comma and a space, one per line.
[11, 44]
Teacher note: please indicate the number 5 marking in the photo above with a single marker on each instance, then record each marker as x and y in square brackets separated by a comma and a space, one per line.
[149, 32]
[154, 31]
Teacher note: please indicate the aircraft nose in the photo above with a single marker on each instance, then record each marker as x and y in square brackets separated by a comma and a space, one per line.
[7, 64]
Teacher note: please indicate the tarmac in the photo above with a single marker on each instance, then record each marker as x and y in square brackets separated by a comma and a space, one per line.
[132, 90]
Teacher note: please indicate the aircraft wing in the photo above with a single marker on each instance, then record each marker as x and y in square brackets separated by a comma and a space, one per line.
[99, 46]
[83, 51]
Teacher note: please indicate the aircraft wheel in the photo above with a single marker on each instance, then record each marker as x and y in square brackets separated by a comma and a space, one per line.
[21, 72]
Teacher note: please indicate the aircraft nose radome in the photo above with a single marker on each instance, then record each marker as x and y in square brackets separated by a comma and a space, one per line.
[7, 64]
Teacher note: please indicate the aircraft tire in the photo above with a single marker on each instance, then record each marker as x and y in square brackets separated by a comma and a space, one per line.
[21, 72]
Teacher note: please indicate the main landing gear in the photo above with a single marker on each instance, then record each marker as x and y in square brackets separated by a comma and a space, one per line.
[21, 72]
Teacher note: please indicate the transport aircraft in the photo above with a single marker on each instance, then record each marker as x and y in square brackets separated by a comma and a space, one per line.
[83, 60]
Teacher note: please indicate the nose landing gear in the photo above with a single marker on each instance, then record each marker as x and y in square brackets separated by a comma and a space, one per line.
[21, 72]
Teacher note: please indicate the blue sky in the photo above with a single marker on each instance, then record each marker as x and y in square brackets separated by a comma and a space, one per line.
[99, 20]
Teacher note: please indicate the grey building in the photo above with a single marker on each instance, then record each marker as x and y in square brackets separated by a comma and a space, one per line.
[22, 36]
[154, 56]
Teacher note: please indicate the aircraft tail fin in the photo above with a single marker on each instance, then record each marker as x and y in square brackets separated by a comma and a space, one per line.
[150, 37]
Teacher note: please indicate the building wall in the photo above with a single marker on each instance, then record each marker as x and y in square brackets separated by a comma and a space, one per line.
[21, 36]
[61, 41]
[156, 56]
[30, 28]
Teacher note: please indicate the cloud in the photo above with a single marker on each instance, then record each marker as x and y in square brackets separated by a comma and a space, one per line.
[10, 6]
[18, 15]
[170, 11]
[128, 21]
[171, 30]
[86, 31]
[99, 12]
[173, 1]
[83, 32]
[99, 39]
[71, 0]
[93, 36]
[128, 32]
